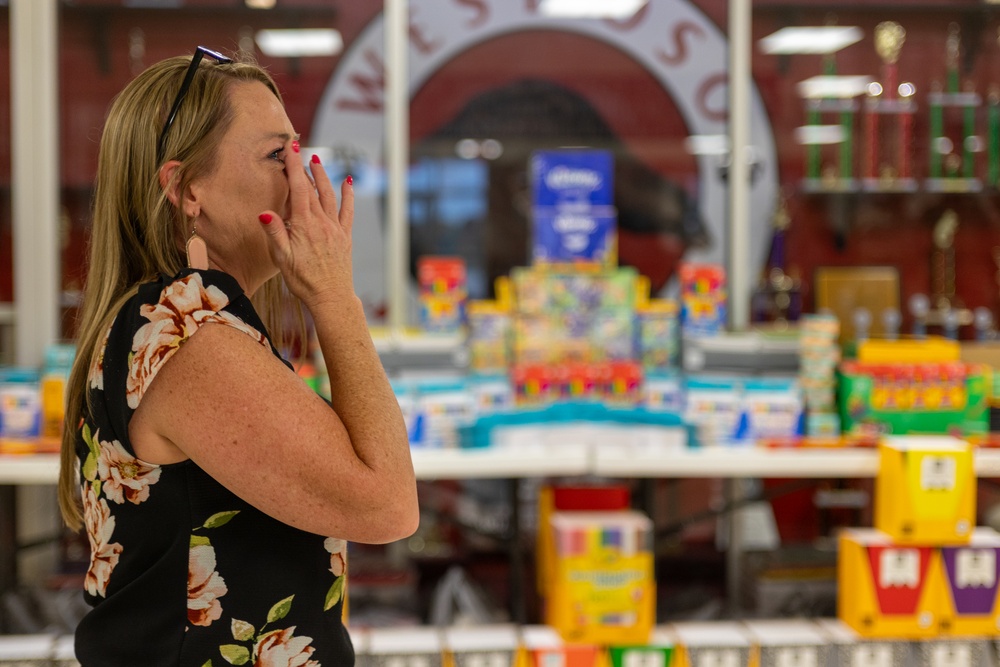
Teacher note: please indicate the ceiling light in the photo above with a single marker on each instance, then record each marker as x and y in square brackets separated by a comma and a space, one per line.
[594, 9]
[707, 144]
[295, 43]
[817, 135]
[819, 87]
[819, 39]
[259, 4]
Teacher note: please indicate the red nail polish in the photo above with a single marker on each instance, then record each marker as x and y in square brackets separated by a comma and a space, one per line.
[350, 180]
[265, 218]
[315, 159]
[295, 145]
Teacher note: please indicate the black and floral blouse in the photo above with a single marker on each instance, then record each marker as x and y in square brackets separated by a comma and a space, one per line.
[182, 572]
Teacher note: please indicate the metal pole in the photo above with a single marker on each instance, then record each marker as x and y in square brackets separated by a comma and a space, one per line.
[739, 243]
[740, 280]
[34, 51]
[397, 134]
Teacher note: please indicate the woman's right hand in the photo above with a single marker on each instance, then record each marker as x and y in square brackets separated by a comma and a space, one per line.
[312, 248]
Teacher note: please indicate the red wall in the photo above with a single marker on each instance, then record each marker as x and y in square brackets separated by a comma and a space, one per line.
[870, 229]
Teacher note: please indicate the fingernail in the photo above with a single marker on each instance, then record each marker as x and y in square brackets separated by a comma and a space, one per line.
[295, 145]
[315, 159]
[350, 180]
[265, 218]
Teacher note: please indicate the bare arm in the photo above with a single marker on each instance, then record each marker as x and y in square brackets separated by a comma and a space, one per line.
[234, 409]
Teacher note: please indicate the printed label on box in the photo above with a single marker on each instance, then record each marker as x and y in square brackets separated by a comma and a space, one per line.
[796, 657]
[972, 578]
[718, 658]
[572, 177]
[562, 236]
[873, 655]
[937, 473]
[900, 575]
[951, 654]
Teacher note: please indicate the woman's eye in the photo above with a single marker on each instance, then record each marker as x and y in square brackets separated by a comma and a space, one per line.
[278, 155]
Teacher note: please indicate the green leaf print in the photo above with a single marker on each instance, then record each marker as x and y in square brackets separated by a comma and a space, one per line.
[88, 437]
[334, 594]
[220, 519]
[90, 467]
[280, 610]
[208, 663]
[235, 655]
[242, 631]
[200, 541]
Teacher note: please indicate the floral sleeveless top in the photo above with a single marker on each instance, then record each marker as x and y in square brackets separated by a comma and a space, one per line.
[182, 572]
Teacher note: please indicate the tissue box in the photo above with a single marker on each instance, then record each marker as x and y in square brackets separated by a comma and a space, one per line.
[482, 645]
[852, 650]
[390, 647]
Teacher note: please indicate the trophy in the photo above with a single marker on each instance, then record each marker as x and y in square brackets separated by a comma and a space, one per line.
[829, 153]
[946, 309]
[953, 139]
[889, 118]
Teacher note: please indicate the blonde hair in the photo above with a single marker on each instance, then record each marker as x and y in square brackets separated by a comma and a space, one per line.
[137, 232]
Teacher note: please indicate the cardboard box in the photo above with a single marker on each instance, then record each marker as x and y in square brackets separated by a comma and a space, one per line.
[541, 646]
[482, 645]
[720, 644]
[658, 652]
[925, 491]
[887, 589]
[603, 590]
[852, 650]
[788, 643]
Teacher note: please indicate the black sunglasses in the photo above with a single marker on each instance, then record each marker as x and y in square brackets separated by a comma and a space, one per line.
[199, 53]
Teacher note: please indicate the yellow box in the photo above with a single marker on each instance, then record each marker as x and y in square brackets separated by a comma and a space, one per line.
[971, 580]
[602, 590]
[933, 349]
[886, 589]
[925, 491]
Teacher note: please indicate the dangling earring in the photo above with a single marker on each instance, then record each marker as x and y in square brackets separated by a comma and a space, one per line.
[197, 251]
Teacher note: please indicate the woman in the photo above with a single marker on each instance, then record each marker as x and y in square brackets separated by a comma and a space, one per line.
[219, 490]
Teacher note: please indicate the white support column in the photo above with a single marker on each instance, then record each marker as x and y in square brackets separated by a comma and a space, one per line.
[34, 52]
[397, 142]
[740, 53]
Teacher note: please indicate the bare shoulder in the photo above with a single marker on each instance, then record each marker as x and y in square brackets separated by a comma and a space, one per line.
[227, 403]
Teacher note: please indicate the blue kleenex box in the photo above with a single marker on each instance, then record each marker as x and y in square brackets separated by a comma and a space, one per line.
[570, 235]
[574, 177]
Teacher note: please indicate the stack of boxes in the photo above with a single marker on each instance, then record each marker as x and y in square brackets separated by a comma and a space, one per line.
[819, 354]
[925, 571]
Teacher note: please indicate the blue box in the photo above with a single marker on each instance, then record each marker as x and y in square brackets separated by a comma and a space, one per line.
[573, 177]
[562, 235]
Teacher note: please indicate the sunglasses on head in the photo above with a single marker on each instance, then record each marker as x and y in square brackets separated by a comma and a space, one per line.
[196, 59]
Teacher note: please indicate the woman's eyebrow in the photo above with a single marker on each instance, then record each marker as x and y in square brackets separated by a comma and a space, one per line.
[284, 136]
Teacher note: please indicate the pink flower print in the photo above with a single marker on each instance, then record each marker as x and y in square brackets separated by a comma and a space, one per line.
[183, 306]
[103, 554]
[338, 555]
[229, 319]
[282, 648]
[205, 586]
[96, 375]
[123, 476]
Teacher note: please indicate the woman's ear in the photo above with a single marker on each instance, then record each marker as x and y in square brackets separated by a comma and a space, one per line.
[169, 176]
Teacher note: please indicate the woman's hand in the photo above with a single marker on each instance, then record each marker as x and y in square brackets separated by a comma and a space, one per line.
[312, 248]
